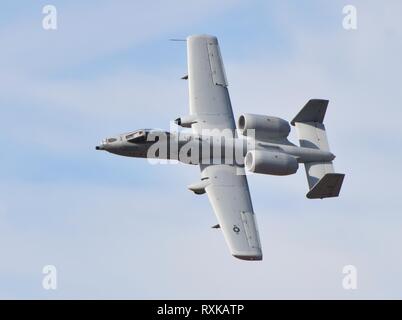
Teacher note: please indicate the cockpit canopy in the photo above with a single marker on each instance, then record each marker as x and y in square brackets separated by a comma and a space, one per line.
[137, 136]
[108, 140]
[141, 135]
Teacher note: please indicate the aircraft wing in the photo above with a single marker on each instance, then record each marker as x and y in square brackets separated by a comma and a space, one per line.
[226, 185]
[209, 97]
[229, 196]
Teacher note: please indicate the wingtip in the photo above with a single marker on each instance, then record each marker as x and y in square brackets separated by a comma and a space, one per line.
[248, 257]
[202, 37]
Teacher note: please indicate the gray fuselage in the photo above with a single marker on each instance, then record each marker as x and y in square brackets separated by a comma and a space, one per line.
[195, 149]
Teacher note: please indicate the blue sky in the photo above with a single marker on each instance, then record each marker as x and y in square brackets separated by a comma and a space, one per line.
[121, 228]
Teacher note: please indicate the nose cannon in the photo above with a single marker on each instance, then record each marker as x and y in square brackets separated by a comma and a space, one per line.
[106, 143]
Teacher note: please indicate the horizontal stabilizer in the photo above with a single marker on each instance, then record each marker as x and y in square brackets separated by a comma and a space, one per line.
[327, 187]
[313, 111]
[322, 180]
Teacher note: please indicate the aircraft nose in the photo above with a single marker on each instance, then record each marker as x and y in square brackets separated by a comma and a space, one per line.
[99, 148]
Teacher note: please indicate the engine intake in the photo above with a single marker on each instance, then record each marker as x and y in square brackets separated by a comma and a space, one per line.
[268, 162]
[265, 127]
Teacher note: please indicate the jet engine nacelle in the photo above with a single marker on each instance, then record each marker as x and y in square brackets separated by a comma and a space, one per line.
[265, 127]
[268, 162]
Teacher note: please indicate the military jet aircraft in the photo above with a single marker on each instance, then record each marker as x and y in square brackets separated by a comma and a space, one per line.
[225, 153]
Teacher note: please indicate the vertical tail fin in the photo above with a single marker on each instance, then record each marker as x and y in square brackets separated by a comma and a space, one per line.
[322, 180]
